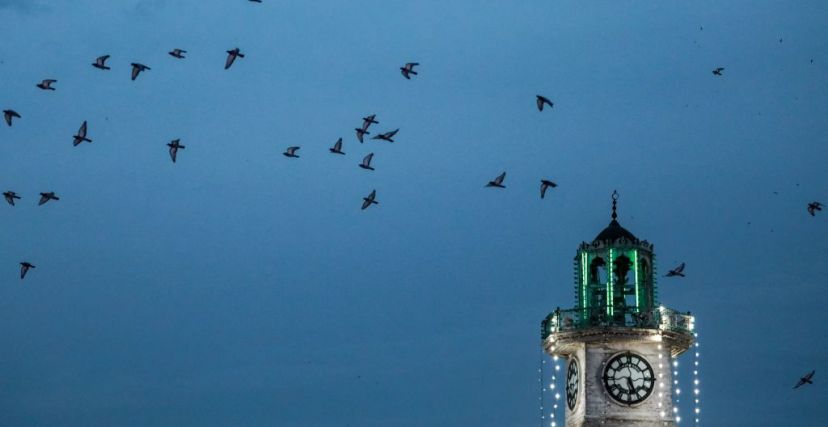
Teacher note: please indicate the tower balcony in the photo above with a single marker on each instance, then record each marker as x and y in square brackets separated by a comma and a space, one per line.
[563, 326]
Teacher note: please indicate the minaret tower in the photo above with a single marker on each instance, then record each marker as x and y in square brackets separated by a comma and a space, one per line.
[618, 342]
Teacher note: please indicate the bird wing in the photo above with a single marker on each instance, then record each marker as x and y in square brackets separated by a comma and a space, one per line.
[23, 269]
[47, 82]
[7, 115]
[539, 102]
[360, 133]
[392, 133]
[810, 375]
[366, 161]
[231, 56]
[365, 203]
[338, 145]
[82, 130]
[373, 195]
[500, 178]
[173, 152]
[43, 199]
[679, 269]
[544, 186]
[135, 71]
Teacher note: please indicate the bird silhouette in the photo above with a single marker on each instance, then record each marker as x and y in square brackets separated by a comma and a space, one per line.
[387, 136]
[24, 268]
[366, 162]
[545, 184]
[678, 271]
[541, 100]
[137, 68]
[10, 196]
[177, 53]
[291, 152]
[175, 145]
[718, 71]
[100, 62]
[408, 69]
[45, 197]
[813, 207]
[361, 132]
[369, 120]
[81, 135]
[46, 84]
[231, 57]
[337, 148]
[497, 182]
[9, 115]
[805, 380]
[370, 200]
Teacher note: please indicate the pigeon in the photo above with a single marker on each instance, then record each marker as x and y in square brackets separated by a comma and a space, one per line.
[369, 120]
[813, 207]
[45, 197]
[256, 1]
[100, 62]
[24, 268]
[46, 84]
[545, 183]
[10, 196]
[9, 114]
[408, 69]
[366, 162]
[368, 201]
[678, 271]
[231, 57]
[387, 136]
[805, 380]
[540, 100]
[498, 182]
[337, 148]
[137, 68]
[81, 135]
[361, 132]
[718, 71]
[177, 53]
[174, 145]
[291, 152]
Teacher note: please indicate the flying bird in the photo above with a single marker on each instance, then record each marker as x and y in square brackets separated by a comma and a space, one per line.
[81, 135]
[408, 69]
[45, 197]
[370, 200]
[387, 136]
[46, 84]
[718, 71]
[256, 1]
[175, 145]
[540, 100]
[805, 380]
[177, 53]
[366, 162]
[10, 196]
[337, 148]
[545, 183]
[9, 114]
[137, 68]
[100, 62]
[497, 182]
[813, 207]
[369, 120]
[231, 57]
[678, 271]
[361, 132]
[24, 268]
[291, 152]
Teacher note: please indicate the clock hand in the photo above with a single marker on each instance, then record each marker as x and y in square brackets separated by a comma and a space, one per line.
[630, 383]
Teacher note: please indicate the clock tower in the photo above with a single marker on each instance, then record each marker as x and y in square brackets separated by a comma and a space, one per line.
[618, 341]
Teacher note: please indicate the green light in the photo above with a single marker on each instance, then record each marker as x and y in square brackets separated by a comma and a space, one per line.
[609, 284]
[635, 266]
[584, 279]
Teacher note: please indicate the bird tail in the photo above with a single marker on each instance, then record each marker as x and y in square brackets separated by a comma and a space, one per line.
[241, 55]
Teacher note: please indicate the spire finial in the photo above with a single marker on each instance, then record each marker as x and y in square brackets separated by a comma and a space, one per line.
[614, 202]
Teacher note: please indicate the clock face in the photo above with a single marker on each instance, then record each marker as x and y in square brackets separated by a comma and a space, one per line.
[628, 378]
[572, 379]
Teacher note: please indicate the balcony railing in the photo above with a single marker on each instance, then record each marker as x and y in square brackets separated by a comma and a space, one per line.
[614, 317]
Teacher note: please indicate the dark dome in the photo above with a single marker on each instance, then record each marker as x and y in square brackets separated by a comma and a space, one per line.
[613, 232]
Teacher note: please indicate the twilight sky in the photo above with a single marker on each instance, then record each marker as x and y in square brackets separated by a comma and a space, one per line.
[238, 287]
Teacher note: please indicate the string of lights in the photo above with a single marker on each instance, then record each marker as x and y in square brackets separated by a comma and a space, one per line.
[677, 394]
[553, 386]
[541, 386]
[696, 392]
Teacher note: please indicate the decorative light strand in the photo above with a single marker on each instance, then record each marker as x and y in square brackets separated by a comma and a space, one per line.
[696, 392]
[553, 386]
[661, 408]
[542, 387]
[677, 394]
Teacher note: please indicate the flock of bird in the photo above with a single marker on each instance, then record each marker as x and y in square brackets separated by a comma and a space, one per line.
[407, 70]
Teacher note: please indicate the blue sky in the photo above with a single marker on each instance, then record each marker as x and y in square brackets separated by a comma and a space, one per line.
[240, 287]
